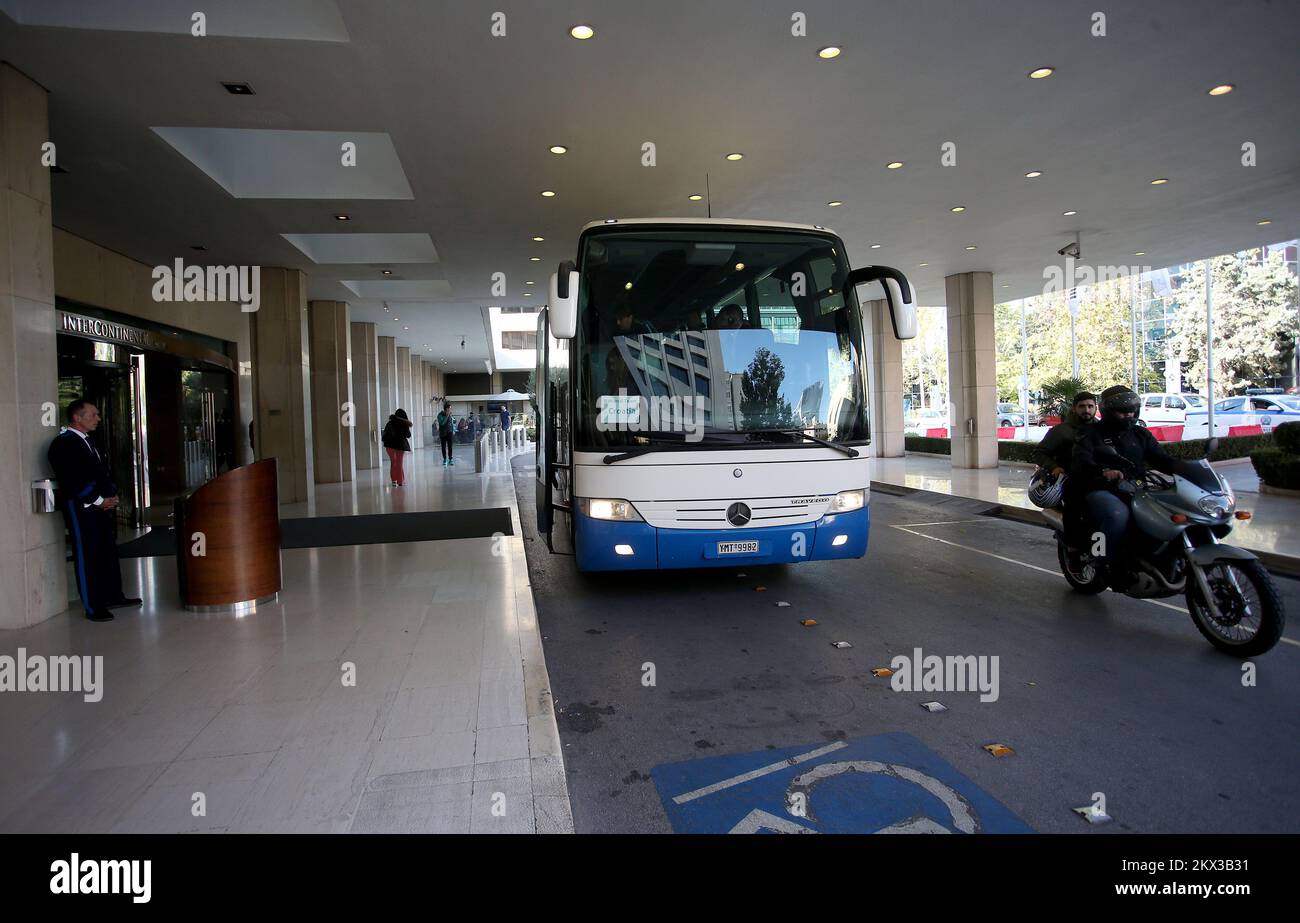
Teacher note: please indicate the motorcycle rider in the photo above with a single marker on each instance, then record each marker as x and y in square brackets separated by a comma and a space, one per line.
[1097, 472]
[1056, 451]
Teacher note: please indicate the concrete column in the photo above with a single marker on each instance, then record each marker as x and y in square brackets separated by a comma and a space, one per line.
[885, 353]
[430, 411]
[972, 371]
[331, 389]
[403, 378]
[281, 381]
[417, 401]
[387, 381]
[365, 395]
[33, 574]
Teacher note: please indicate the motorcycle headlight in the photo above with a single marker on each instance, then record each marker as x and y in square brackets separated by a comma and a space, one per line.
[1220, 506]
[616, 510]
[847, 500]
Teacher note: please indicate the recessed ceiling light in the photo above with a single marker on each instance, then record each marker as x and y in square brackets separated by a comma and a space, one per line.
[1222, 89]
[550, 194]
[582, 31]
[1069, 213]
[834, 203]
[830, 51]
[528, 294]
[735, 156]
[1140, 253]
[530, 283]
[627, 285]
[1263, 221]
[875, 246]
[957, 209]
[387, 272]
[1033, 173]
[1006, 285]
[534, 259]
[406, 328]
[611, 221]
[922, 264]
[559, 149]
[740, 266]
[238, 89]
[1159, 182]
[971, 247]
[539, 238]
[1040, 72]
[695, 198]
[395, 317]
[342, 217]
[893, 165]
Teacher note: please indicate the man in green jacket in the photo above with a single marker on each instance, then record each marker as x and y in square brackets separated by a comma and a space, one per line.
[1057, 448]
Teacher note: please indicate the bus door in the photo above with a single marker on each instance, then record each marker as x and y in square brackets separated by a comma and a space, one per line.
[552, 398]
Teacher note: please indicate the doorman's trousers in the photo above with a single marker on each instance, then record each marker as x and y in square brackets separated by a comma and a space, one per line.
[94, 554]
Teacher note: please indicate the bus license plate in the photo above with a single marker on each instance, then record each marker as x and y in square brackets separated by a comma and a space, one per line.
[737, 547]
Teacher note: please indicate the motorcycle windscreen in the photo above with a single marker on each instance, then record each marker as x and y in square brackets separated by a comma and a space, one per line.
[1198, 473]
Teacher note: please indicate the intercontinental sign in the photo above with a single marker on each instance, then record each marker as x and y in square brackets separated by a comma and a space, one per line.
[94, 327]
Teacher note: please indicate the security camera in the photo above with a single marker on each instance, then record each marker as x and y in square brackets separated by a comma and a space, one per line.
[1070, 249]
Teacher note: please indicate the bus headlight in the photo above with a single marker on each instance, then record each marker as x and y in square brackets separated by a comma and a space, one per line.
[616, 510]
[847, 500]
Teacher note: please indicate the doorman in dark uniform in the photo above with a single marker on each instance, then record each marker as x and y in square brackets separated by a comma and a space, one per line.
[89, 501]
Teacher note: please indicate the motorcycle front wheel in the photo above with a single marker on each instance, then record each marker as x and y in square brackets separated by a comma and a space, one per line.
[1083, 572]
[1251, 614]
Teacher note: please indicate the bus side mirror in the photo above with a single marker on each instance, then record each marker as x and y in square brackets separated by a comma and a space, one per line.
[563, 308]
[898, 294]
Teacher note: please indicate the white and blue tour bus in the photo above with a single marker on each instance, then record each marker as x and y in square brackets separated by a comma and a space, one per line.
[701, 395]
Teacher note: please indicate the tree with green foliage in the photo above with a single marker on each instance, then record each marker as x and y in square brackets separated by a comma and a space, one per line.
[761, 404]
[1255, 326]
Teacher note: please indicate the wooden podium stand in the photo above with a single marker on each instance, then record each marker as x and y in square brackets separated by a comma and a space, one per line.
[234, 520]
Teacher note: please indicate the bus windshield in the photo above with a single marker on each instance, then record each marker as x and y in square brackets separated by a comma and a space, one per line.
[717, 337]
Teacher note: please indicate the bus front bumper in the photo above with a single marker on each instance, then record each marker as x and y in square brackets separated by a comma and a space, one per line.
[605, 545]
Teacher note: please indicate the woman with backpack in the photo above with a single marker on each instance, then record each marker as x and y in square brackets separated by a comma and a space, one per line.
[397, 442]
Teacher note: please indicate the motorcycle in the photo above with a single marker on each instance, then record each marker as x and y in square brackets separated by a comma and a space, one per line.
[1174, 547]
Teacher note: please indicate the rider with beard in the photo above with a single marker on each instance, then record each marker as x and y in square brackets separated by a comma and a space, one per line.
[1056, 452]
[1097, 472]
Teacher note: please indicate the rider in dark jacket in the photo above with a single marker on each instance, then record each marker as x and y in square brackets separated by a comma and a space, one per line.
[1097, 471]
[1056, 450]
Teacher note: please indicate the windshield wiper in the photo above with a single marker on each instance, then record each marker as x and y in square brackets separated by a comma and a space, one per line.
[648, 449]
[847, 450]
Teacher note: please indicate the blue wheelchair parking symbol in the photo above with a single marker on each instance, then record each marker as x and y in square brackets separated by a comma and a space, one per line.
[889, 783]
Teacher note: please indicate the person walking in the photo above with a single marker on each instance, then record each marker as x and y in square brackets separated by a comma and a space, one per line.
[505, 419]
[89, 500]
[446, 436]
[397, 442]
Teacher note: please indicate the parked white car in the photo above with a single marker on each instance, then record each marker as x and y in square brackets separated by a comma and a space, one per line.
[1163, 409]
[919, 421]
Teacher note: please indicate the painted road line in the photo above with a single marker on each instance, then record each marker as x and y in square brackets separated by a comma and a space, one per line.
[944, 541]
[948, 522]
[760, 772]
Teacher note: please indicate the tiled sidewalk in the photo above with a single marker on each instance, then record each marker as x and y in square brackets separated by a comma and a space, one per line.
[448, 727]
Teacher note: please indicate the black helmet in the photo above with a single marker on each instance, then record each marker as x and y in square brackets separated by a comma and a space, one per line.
[1120, 399]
